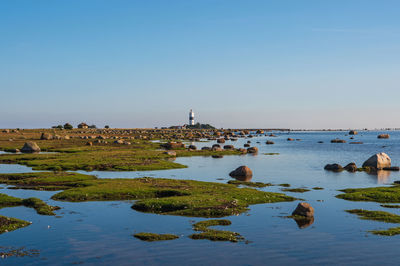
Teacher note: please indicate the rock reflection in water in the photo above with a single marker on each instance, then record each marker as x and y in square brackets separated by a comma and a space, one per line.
[304, 222]
[382, 176]
[243, 178]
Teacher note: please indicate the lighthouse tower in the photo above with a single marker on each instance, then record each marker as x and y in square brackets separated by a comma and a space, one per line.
[191, 118]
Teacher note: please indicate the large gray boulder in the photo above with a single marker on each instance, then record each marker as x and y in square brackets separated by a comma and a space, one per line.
[378, 161]
[30, 147]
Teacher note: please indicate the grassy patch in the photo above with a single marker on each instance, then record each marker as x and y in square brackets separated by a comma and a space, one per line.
[296, 190]
[388, 232]
[150, 237]
[380, 216]
[40, 206]
[215, 235]
[376, 194]
[8, 224]
[249, 184]
[154, 195]
[284, 185]
[318, 188]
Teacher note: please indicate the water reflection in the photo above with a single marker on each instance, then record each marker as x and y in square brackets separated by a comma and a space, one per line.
[382, 176]
[243, 178]
[304, 222]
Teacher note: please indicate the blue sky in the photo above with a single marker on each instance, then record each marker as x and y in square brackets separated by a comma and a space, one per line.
[292, 64]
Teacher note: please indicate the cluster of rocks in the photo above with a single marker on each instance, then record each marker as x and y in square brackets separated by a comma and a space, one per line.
[379, 161]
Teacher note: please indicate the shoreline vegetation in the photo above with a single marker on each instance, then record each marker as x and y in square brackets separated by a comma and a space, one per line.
[152, 195]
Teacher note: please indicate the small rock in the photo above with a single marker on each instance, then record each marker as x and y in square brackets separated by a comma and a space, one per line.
[242, 171]
[333, 167]
[304, 209]
[351, 167]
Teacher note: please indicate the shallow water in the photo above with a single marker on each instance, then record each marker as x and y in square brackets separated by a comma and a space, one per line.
[101, 232]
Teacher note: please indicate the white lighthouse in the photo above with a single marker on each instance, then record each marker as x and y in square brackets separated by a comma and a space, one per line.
[191, 118]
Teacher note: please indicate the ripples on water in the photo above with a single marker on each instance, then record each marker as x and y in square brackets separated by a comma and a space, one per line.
[101, 232]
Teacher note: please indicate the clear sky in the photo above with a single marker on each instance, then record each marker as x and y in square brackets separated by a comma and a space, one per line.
[277, 63]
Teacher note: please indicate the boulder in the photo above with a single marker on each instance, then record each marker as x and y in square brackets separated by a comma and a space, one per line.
[89, 143]
[252, 150]
[378, 161]
[241, 172]
[338, 141]
[246, 145]
[333, 167]
[221, 140]
[304, 209]
[351, 167]
[353, 132]
[205, 148]
[383, 136]
[192, 147]
[269, 142]
[30, 147]
[242, 150]
[290, 139]
[46, 136]
[229, 147]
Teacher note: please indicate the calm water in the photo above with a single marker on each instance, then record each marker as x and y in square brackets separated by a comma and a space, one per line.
[101, 232]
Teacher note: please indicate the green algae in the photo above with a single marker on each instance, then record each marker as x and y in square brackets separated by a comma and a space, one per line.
[213, 234]
[150, 237]
[296, 190]
[375, 194]
[8, 224]
[153, 195]
[380, 216]
[388, 232]
[249, 184]
[40, 206]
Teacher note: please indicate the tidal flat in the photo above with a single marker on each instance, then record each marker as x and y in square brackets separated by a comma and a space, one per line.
[111, 185]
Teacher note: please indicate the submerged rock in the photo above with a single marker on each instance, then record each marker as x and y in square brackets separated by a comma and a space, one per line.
[30, 147]
[252, 150]
[269, 142]
[333, 167]
[383, 136]
[242, 172]
[378, 161]
[351, 167]
[338, 141]
[304, 209]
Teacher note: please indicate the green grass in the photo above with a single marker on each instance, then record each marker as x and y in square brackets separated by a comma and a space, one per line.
[153, 195]
[8, 224]
[249, 184]
[388, 232]
[40, 206]
[212, 234]
[150, 237]
[74, 154]
[380, 216]
[296, 190]
[375, 194]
